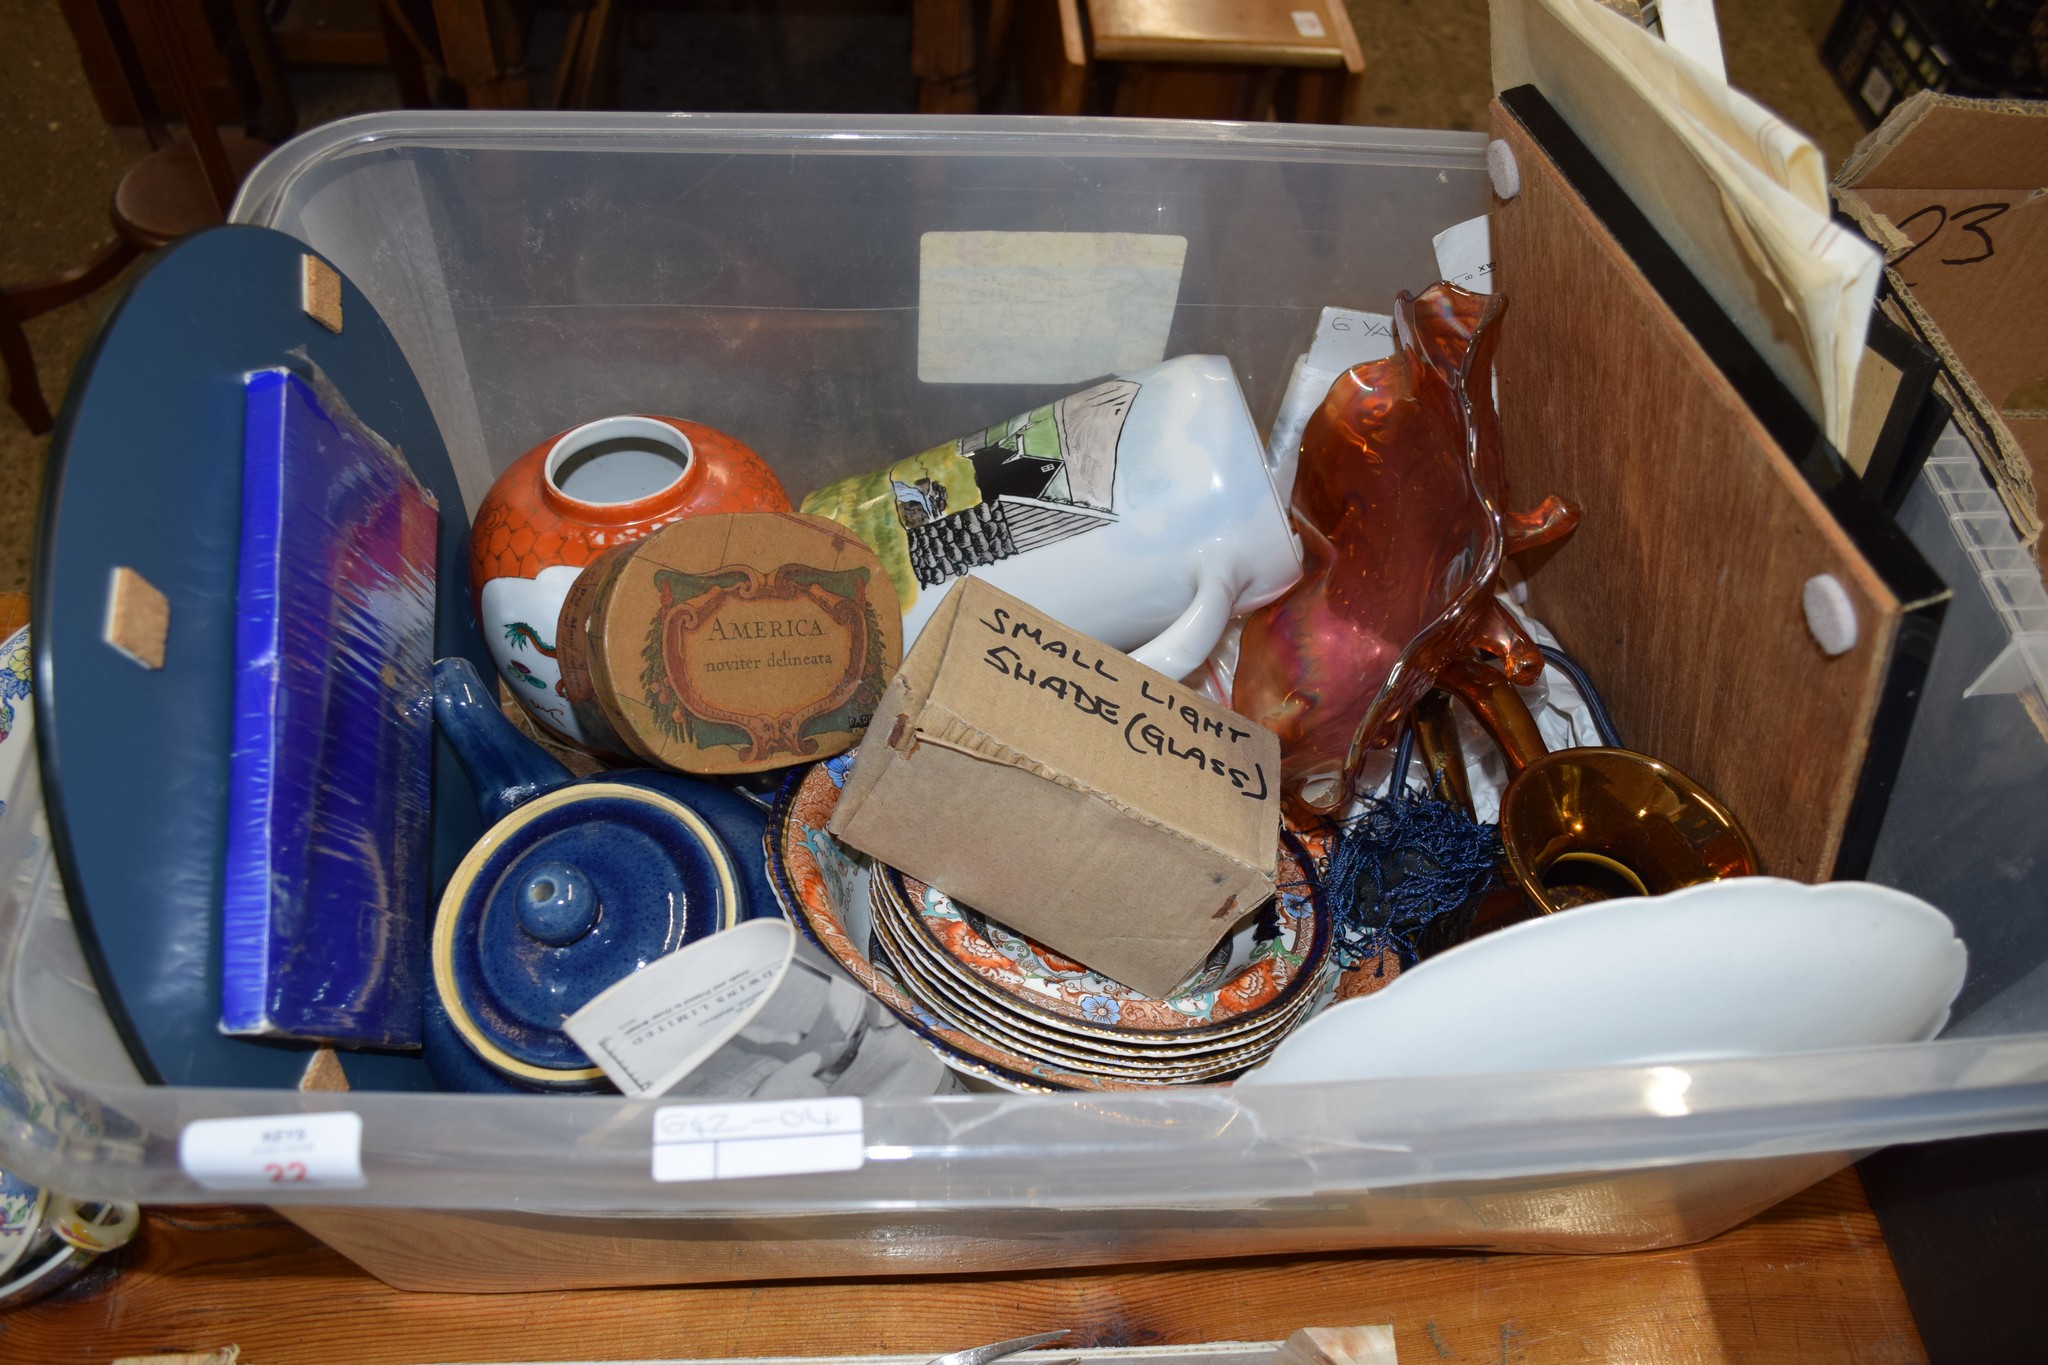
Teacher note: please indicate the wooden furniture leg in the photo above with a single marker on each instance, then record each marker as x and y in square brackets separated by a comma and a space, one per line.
[410, 56]
[995, 48]
[180, 187]
[24, 392]
[1343, 90]
[278, 116]
[484, 51]
[942, 56]
[19, 303]
[586, 67]
[40, 296]
[1051, 51]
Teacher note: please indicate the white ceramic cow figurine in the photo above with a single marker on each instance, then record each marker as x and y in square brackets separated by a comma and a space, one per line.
[1141, 511]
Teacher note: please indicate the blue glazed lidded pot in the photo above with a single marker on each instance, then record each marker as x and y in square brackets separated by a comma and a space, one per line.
[574, 886]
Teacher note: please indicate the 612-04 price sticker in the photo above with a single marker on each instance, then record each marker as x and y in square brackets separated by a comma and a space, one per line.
[761, 1137]
[277, 1153]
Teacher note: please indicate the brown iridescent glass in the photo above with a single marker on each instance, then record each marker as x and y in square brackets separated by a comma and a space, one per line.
[1398, 502]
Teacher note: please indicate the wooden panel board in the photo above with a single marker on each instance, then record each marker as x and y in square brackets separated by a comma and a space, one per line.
[1681, 589]
[1807, 1283]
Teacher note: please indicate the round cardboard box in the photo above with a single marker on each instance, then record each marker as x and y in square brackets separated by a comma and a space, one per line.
[731, 643]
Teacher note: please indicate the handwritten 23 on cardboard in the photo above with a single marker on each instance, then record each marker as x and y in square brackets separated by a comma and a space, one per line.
[1058, 786]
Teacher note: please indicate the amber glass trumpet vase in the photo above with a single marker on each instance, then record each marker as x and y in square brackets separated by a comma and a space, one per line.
[1589, 824]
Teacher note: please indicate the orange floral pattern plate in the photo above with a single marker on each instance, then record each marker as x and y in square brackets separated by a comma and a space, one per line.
[1019, 1033]
[1064, 1039]
[825, 889]
[1289, 944]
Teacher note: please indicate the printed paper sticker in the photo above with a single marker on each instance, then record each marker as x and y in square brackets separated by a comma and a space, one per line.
[284, 1151]
[775, 1137]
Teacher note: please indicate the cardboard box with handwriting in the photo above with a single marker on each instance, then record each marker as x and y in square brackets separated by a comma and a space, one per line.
[1058, 786]
[1950, 188]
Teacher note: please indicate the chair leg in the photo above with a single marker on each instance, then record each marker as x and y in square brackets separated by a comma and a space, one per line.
[1326, 95]
[1261, 95]
[942, 56]
[40, 296]
[24, 391]
[19, 303]
[484, 51]
[995, 51]
[565, 65]
[590, 73]
[1049, 49]
[277, 114]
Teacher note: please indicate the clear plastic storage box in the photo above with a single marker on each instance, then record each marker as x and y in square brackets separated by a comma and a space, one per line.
[762, 275]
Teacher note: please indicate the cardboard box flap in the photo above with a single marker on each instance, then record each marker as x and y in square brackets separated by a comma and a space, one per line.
[904, 698]
[1934, 141]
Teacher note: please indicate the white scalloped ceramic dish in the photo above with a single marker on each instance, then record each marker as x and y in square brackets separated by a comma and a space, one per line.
[1738, 968]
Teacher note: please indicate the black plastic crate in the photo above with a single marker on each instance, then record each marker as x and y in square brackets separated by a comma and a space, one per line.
[1881, 51]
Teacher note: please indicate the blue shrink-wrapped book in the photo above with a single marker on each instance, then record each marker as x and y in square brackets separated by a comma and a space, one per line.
[323, 931]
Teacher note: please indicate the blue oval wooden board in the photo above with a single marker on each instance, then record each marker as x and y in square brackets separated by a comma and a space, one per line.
[145, 473]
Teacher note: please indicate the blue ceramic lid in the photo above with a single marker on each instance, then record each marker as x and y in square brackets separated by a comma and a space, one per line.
[573, 891]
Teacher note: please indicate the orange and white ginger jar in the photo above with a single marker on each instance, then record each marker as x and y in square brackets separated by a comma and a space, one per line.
[571, 498]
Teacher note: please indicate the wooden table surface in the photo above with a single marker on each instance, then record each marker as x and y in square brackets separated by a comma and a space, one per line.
[1810, 1281]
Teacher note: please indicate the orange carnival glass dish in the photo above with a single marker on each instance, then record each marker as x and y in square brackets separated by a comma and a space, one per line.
[574, 496]
[1398, 504]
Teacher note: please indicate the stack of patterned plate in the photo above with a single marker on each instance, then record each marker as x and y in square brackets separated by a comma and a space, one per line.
[994, 1004]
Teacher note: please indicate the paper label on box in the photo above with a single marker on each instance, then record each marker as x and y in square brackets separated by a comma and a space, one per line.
[305, 1151]
[658, 1025]
[1043, 307]
[777, 1137]
[1464, 255]
[1307, 23]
